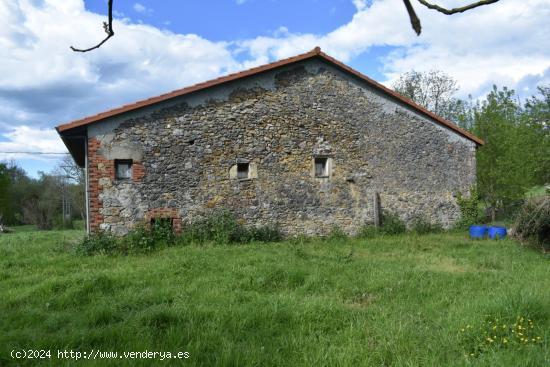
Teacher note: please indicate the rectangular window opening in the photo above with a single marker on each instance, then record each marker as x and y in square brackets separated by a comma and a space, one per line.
[123, 169]
[242, 171]
[321, 167]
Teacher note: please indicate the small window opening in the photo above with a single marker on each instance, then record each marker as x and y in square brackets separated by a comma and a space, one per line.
[191, 142]
[321, 167]
[123, 169]
[161, 224]
[242, 171]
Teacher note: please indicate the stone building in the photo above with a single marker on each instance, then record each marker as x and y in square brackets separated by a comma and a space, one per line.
[304, 142]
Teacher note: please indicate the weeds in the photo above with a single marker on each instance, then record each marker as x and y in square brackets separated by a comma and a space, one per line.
[98, 243]
[220, 228]
[422, 226]
[495, 333]
[391, 225]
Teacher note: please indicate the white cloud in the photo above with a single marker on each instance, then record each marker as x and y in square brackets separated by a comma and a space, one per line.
[28, 139]
[142, 9]
[360, 4]
[501, 43]
[51, 84]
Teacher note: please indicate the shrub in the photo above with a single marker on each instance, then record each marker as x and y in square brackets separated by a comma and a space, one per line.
[139, 239]
[532, 225]
[265, 233]
[222, 228]
[368, 231]
[145, 238]
[422, 226]
[162, 232]
[336, 233]
[391, 224]
[470, 212]
[97, 243]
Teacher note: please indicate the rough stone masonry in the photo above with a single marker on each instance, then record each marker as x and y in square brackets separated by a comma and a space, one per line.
[305, 146]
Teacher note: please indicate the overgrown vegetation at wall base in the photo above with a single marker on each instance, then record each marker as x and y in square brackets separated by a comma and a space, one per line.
[390, 225]
[386, 301]
[220, 228]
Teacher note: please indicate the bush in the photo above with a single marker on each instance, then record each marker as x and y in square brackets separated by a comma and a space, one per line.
[532, 225]
[101, 243]
[336, 233]
[391, 225]
[266, 233]
[139, 239]
[470, 212]
[422, 226]
[222, 228]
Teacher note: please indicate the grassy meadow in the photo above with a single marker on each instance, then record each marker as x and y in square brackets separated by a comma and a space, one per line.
[409, 300]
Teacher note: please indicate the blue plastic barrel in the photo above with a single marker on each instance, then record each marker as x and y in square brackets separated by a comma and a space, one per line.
[478, 232]
[497, 232]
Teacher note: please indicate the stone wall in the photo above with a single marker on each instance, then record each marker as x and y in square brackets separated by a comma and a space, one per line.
[279, 122]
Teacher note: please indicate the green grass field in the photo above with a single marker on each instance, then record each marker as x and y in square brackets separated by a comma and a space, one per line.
[387, 301]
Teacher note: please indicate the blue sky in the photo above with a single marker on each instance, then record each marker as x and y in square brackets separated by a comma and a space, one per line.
[230, 19]
[164, 45]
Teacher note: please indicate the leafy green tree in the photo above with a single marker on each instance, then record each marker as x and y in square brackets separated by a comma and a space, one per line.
[5, 184]
[42, 201]
[505, 164]
[537, 117]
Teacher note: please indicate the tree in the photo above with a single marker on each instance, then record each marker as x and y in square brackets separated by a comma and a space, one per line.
[434, 90]
[537, 115]
[5, 184]
[42, 202]
[505, 164]
[415, 21]
[74, 179]
[17, 190]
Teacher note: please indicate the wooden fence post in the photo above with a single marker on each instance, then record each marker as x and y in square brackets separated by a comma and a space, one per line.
[377, 210]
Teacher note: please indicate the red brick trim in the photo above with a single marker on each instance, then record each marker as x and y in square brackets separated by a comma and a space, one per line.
[138, 171]
[99, 169]
[101, 173]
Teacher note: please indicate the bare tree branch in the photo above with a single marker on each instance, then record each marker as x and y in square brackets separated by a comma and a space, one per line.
[415, 22]
[462, 9]
[107, 27]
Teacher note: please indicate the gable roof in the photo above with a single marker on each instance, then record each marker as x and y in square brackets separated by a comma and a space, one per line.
[316, 52]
